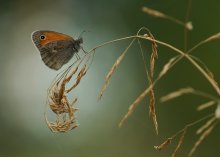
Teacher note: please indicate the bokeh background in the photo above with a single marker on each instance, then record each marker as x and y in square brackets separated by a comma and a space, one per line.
[24, 78]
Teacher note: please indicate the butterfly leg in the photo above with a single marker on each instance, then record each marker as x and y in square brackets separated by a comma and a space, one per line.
[77, 56]
[84, 50]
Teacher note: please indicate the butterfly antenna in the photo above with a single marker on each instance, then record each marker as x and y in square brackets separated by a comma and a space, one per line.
[80, 39]
[80, 36]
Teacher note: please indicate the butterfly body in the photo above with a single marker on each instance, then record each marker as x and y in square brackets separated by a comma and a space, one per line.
[56, 49]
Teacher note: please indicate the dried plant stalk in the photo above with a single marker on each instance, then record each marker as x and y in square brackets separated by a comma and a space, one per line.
[164, 144]
[208, 71]
[201, 138]
[206, 125]
[154, 54]
[135, 104]
[152, 108]
[168, 65]
[182, 132]
[213, 37]
[112, 70]
[155, 13]
[179, 143]
[177, 93]
[217, 112]
[209, 39]
[206, 105]
[188, 57]
[78, 79]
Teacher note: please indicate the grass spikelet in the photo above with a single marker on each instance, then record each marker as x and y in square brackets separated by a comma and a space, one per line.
[205, 105]
[208, 71]
[209, 39]
[135, 104]
[154, 55]
[153, 12]
[152, 108]
[113, 69]
[179, 143]
[201, 139]
[206, 125]
[217, 112]
[177, 93]
[168, 65]
[78, 78]
[164, 144]
[213, 37]
[158, 14]
[183, 133]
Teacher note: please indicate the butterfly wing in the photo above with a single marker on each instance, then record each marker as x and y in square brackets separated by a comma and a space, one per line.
[57, 53]
[56, 49]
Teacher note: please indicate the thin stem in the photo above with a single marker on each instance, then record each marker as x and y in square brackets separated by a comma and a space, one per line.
[192, 124]
[185, 29]
[206, 95]
[143, 59]
[196, 46]
[112, 41]
[215, 86]
[213, 83]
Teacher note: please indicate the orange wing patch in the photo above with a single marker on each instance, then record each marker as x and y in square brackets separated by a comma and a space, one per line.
[52, 36]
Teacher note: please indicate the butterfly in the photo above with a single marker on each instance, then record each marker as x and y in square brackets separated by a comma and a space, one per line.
[56, 49]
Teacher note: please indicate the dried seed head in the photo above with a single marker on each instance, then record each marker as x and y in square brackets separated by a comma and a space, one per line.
[201, 138]
[189, 25]
[65, 119]
[206, 125]
[174, 154]
[113, 69]
[164, 144]
[213, 37]
[153, 12]
[177, 93]
[217, 111]
[205, 105]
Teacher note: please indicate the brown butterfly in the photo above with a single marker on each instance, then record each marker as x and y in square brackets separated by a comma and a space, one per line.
[56, 49]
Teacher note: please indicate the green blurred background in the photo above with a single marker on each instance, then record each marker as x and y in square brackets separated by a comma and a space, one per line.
[24, 78]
